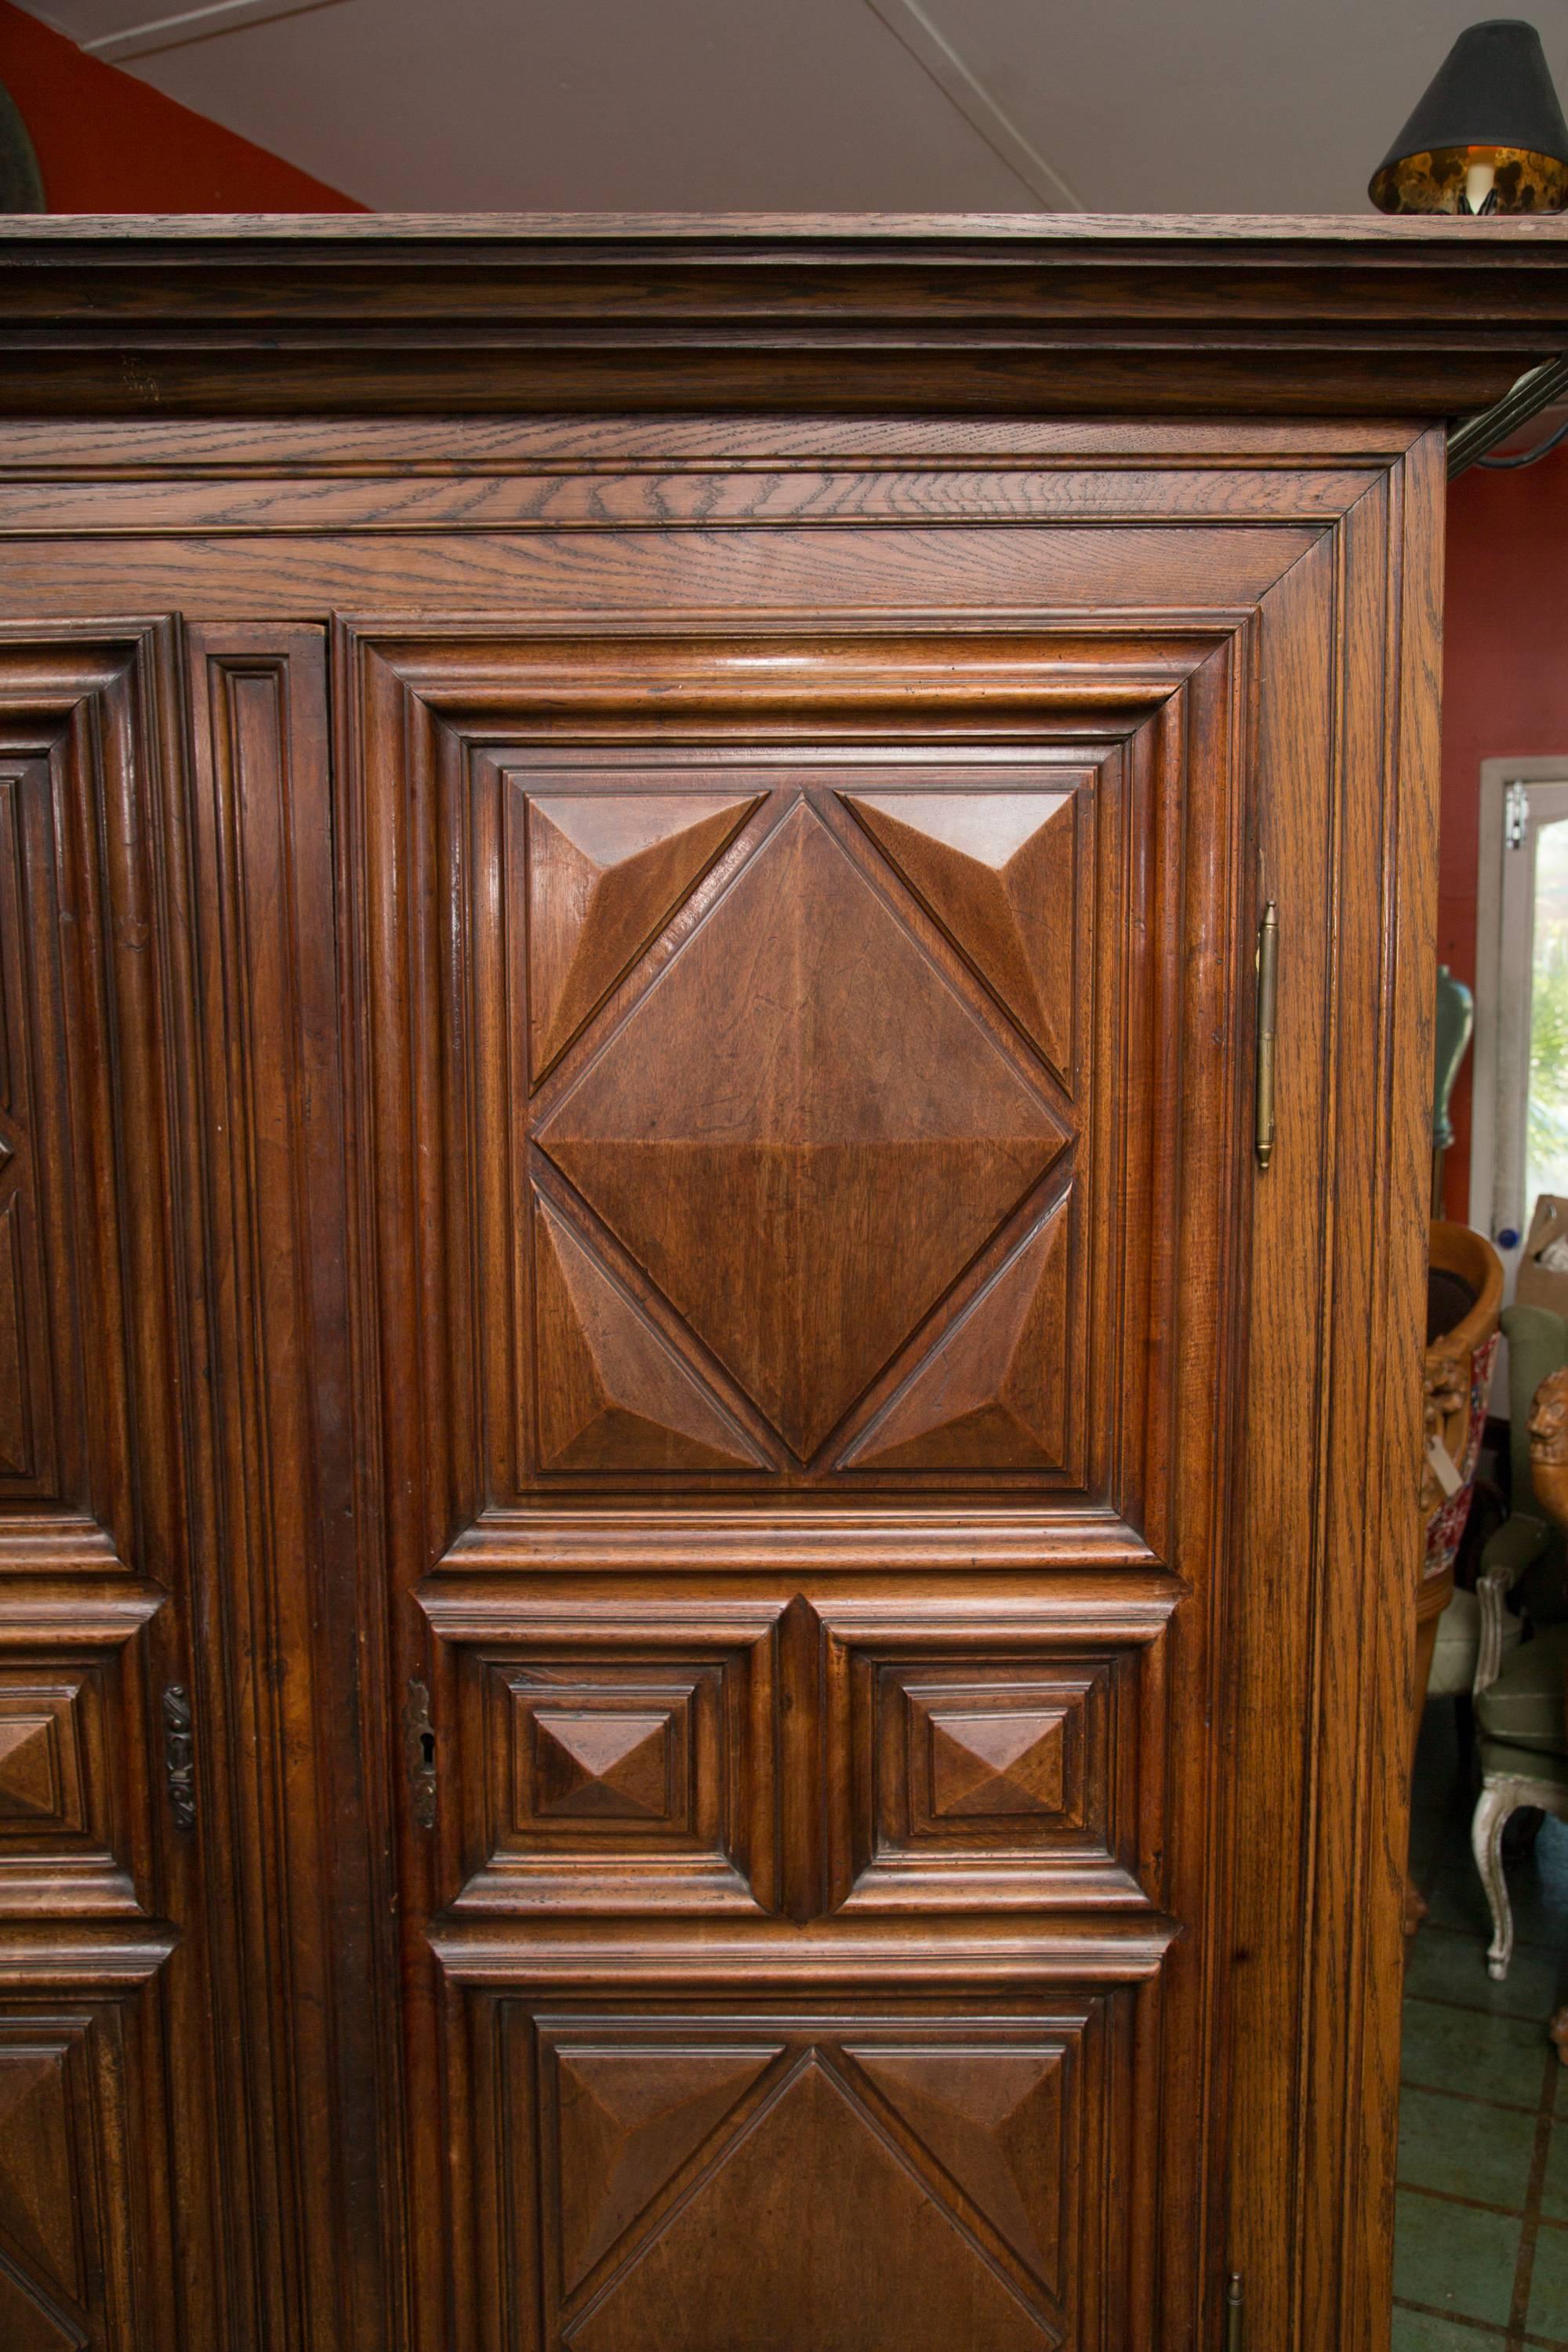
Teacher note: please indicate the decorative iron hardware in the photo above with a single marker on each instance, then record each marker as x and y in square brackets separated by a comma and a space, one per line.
[421, 1741]
[179, 1757]
[1235, 2314]
[1267, 995]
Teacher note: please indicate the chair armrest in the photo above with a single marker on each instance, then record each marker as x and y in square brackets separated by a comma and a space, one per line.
[1504, 1559]
[1491, 1593]
[1509, 1552]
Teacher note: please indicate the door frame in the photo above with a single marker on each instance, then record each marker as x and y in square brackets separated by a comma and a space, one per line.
[1499, 1041]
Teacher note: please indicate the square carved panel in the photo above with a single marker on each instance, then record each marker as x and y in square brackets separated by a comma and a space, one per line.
[612, 1756]
[776, 2173]
[58, 1835]
[971, 1771]
[981, 1757]
[40, 1758]
[590, 1756]
[615, 1762]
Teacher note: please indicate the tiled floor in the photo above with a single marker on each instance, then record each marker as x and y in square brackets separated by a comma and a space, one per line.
[1481, 2248]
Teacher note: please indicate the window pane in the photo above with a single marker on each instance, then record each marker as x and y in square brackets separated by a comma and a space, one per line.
[1546, 1140]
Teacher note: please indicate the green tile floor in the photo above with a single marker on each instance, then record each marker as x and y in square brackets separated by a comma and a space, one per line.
[1480, 2257]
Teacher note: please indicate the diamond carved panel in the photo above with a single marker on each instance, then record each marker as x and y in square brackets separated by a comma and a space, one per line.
[38, 2229]
[903, 2164]
[80, 2133]
[802, 1132]
[856, 2239]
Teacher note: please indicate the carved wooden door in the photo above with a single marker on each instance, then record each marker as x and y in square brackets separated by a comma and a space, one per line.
[804, 1087]
[106, 2047]
[631, 1267]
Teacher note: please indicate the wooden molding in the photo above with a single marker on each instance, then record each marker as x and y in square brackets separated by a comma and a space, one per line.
[400, 314]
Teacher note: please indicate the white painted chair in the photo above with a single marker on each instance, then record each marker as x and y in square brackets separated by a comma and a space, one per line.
[1521, 1701]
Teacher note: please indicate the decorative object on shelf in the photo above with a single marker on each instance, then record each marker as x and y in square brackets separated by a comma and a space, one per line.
[21, 181]
[1455, 1018]
[1487, 135]
[1541, 1279]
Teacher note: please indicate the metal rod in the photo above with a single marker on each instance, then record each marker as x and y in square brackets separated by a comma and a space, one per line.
[1267, 992]
[1527, 398]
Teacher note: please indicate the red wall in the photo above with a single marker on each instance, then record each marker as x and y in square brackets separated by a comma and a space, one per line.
[108, 144]
[1505, 690]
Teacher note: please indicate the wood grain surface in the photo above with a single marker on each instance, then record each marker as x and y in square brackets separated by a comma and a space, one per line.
[704, 1608]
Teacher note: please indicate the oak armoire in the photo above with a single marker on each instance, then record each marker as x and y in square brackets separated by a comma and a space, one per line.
[705, 1594]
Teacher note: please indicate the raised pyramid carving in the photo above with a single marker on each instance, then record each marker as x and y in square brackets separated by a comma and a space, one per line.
[612, 1395]
[991, 1762]
[602, 1766]
[29, 1768]
[801, 1131]
[991, 1394]
[993, 2119]
[628, 2121]
[996, 869]
[607, 871]
[856, 2246]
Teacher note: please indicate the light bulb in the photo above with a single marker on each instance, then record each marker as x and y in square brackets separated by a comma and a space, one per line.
[1481, 180]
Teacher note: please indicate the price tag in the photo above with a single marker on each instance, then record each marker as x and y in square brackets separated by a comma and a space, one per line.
[1442, 1465]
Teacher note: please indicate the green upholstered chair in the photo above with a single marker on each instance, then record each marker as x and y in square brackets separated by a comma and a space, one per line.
[1521, 1716]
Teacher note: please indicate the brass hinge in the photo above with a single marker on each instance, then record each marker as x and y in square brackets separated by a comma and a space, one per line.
[179, 1757]
[1268, 994]
[421, 1743]
[1235, 2314]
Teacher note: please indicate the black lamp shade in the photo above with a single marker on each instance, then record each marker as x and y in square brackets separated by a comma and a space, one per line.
[1493, 92]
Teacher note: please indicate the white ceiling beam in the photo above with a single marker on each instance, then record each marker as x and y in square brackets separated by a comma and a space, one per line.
[926, 42]
[186, 24]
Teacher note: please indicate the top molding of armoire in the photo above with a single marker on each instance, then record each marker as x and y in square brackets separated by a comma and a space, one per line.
[410, 313]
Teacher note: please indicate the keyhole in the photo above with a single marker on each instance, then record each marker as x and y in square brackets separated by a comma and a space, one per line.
[427, 1749]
